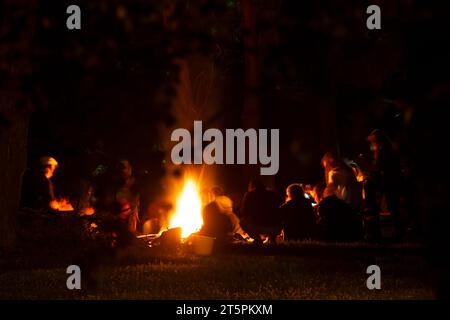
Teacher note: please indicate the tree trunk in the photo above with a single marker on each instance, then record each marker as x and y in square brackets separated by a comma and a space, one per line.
[250, 114]
[13, 155]
[251, 117]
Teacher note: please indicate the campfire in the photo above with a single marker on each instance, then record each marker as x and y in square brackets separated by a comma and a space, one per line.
[188, 209]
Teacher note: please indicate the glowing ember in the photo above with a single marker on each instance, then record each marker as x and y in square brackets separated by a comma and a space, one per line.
[188, 210]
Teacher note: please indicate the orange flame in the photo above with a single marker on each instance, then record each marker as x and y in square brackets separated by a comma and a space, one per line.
[61, 205]
[188, 210]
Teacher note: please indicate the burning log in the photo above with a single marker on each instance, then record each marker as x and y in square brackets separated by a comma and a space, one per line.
[169, 239]
[150, 235]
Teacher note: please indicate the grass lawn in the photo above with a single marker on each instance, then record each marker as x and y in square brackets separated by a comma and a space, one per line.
[297, 271]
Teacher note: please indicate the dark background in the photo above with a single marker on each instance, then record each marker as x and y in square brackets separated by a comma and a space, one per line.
[324, 79]
[310, 68]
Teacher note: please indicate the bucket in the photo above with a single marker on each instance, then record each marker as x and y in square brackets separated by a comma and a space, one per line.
[202, 245]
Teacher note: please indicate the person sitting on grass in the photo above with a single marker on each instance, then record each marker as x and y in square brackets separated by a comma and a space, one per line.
[38, 192]
[260, 216]
[225, 205]
[340, 181]
[337, 220]
[119, 204]
[297, 214]
[216, 223]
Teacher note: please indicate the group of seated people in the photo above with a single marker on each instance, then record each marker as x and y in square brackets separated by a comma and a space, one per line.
[116, 203]
[332, 210]
[339, 209]
[263, 220]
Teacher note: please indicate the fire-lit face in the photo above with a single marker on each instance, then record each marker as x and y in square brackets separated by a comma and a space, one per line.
[49, 170]
[188, 210]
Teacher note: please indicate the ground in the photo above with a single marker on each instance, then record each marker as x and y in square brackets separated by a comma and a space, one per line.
[305, 270]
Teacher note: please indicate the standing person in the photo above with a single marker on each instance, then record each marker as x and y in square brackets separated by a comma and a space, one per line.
[370, 211]
[297, 214]
[260, 216]
[387, 175]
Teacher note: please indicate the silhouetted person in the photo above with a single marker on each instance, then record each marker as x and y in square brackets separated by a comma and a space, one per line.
[337, 220]
[260, 212]
[225, 205]
[386, 177]
[216, 223]
[370, 211]
[297, 214]
[38, 190]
